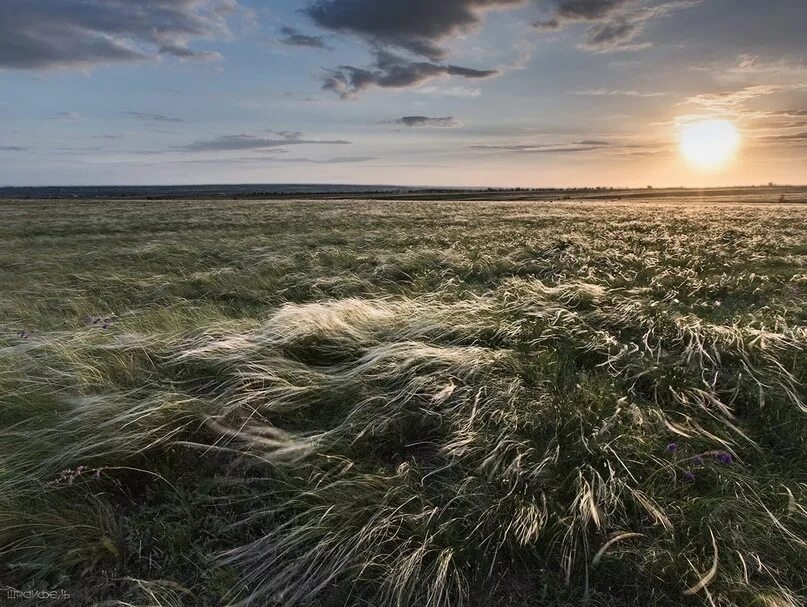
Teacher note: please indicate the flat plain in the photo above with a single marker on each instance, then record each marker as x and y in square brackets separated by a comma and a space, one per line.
[405, 402]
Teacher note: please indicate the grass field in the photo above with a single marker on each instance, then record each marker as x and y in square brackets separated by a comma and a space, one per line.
[363, 403]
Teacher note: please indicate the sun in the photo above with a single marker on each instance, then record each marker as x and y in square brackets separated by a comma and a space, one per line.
[709, 144]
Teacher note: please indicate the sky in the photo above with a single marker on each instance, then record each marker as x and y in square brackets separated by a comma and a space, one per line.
[531, 93]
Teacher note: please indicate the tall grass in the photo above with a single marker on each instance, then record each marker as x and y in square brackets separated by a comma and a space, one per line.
[405, 404]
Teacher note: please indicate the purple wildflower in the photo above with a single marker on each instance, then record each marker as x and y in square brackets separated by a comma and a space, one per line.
[672, 448]
[689, 476]
[724, 457]
[698, 460]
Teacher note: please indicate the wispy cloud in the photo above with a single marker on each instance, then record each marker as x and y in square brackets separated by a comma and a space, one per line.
[290, 36]
[111, 136]
[755, 65]
[618, 93]
[587, 145]
[614, 25]
[723, 101]
[425, 121]
[65, 116]
[264, 160]
[793, 137]
[448, 91]
[153, 117]
[278, 139]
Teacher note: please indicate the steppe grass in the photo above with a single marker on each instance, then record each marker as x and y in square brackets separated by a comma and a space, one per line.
[404, 404]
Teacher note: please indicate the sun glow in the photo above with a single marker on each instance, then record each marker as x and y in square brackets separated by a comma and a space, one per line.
[709, 144]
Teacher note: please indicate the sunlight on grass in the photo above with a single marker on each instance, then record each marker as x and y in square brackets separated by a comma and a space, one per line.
[404, 403]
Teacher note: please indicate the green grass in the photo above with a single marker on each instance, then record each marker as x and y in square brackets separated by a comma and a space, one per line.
[404, 403]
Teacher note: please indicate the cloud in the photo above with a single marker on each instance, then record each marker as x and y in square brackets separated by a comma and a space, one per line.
[111, 136]
[791, 113]
[614, 24]
[392, 71]
[293, 37]
[345, 160]
[614, 34]
[549, 25]
[587, 10]
[65, 116]
[153, 117]
[570, 11]
[420, 27]
[754, 64]
[12, 148]
[183, 52]
[449, 91]
[557, 150]
[426, 121]
[617, 93]
[612, 149]
[264, 160]
[45, 34]
[280, 139]
[546, 148]
[725, 101]
[417, 26]
[795, 137]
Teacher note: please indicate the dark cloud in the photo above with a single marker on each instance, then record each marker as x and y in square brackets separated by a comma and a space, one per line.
[426, 121]
[277, 140]
[41, 34]
[392, 71]
[417, 26]
[153, 117]
[292, 37]
[12, 148]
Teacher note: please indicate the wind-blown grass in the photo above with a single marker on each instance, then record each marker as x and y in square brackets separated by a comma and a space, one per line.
[399, 404]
